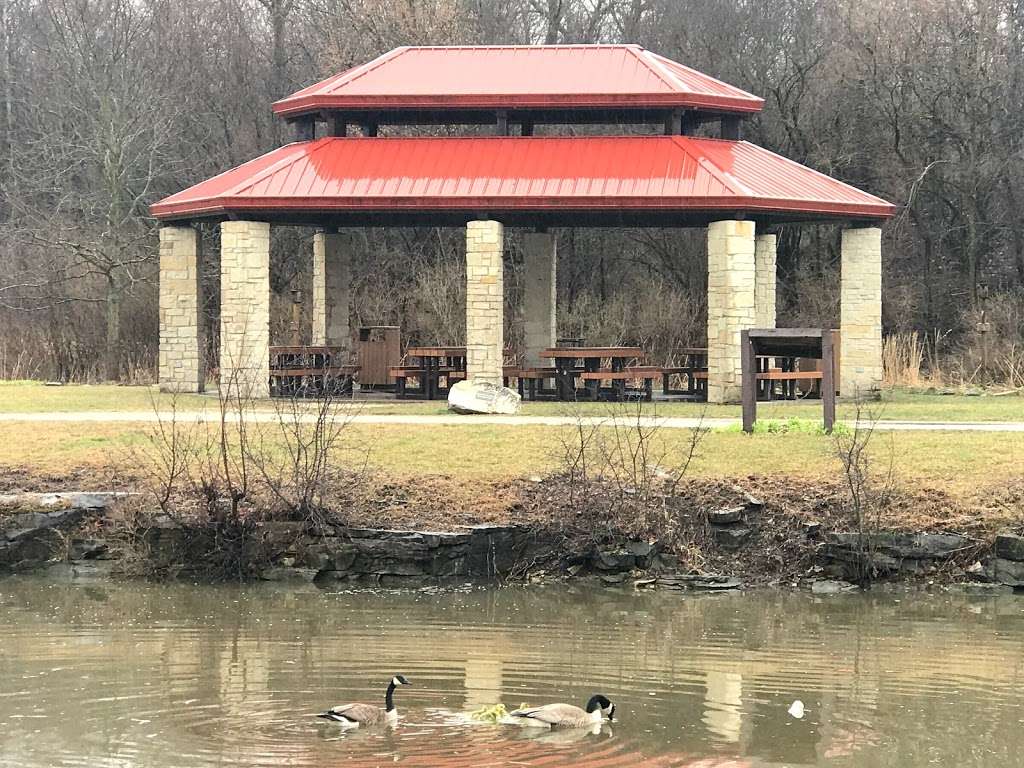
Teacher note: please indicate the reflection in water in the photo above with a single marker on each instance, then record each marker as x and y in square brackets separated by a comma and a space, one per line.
[723, 715]
[199, 676]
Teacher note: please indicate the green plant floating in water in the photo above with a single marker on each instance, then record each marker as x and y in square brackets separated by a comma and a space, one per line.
[491, 714]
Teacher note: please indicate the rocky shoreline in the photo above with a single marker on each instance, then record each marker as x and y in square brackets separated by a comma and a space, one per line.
[66, 534]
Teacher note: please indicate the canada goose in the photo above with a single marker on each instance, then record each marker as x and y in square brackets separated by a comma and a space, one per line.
[354, 715]
[567, 715]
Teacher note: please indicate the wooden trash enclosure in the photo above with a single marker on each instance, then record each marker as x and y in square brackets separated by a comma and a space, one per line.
[379, 348]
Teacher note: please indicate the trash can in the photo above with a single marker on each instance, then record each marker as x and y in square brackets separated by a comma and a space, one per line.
[379, 349]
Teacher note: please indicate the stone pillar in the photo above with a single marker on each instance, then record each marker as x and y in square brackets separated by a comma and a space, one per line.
[764, 281]
[245, 308]
[731, 277]
[331, 281]
[860, 343]
[485, 301]
[182, 341]
[540, 268]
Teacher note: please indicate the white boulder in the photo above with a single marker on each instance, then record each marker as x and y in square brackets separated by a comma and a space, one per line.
[483, 397]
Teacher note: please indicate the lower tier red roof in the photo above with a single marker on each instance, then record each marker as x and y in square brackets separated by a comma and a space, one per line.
[595, 179]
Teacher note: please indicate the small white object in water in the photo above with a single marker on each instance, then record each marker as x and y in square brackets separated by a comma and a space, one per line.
[796, 709]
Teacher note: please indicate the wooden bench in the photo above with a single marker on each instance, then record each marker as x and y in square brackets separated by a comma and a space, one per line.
[696, 380]
[618, 379]
[332, 380]
[402, 373]
[788, 380]
[527, 378]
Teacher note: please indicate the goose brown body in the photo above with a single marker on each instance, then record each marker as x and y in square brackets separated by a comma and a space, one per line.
[368, 714]
[568, 715]
[358, 714]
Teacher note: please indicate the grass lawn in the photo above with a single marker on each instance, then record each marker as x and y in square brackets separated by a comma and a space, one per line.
[896, 405]
[964, 464]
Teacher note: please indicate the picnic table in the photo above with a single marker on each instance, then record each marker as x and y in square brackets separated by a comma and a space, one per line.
[428, 365]
[693, 365]
[310, 370]
[586, 363]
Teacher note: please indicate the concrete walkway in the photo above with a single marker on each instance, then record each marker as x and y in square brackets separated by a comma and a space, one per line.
[357, 417]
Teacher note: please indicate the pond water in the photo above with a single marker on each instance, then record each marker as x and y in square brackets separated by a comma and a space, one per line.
[180, 676]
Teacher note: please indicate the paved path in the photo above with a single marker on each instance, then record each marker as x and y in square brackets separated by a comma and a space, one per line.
[358, 417]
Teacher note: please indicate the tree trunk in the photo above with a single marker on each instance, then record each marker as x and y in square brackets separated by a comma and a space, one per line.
[554, 22]
[112, 362]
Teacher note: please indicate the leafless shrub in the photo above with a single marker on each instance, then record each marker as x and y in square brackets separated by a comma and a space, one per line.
[215, 483]
[297, 454]
[626, 467]
[869, 490]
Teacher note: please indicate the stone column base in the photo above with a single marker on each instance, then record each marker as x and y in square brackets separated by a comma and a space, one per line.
[182, 341]
[731, 278]
[860, 360]
[485, 301]
[245, 309]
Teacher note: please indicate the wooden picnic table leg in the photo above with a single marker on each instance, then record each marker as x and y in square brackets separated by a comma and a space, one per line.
[748, 379]
[594, 387]
[432, 377]
[828, 386]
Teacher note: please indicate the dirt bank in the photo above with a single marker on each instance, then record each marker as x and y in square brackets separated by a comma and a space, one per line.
[754, 531]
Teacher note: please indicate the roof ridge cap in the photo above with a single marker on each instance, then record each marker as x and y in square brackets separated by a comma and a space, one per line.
[523, 45]
[658, 69]
[364, 69]
[705, 74]
[274, 167]
[831, 178]
[727, 180]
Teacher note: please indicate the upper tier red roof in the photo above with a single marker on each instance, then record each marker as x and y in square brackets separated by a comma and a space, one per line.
[671, 175]
[519, 77]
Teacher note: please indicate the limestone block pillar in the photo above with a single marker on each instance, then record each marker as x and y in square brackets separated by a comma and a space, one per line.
[764, 281]
[860, 360]
[731, 280]
[245, 308]
[485, 301]
[331, 283]
[540, 257]
[182, 341]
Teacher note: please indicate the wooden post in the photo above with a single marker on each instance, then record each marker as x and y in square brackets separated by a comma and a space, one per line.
[731, 128]
[749, 377]
[305, 129]
[501, 123]
[674, 122]
[526, 128]
[296, 328]
[369, 129]
[689, 124]
[336, 125]
[828, 385]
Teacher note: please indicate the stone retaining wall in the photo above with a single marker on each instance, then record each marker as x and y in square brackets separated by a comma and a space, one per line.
[38, 530]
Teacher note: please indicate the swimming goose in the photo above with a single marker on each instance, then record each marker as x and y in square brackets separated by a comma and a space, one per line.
[354, 715]
[567, 715]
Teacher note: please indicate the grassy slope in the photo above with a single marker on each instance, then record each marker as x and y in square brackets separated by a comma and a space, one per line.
[965, 464]
[33, 397]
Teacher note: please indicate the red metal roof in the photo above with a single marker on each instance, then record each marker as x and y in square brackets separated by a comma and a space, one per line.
[519, 77]
[500, 174]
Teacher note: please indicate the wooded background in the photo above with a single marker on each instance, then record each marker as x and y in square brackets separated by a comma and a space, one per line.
[109, 105]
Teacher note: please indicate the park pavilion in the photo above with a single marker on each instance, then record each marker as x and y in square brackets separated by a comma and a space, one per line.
[352, 177]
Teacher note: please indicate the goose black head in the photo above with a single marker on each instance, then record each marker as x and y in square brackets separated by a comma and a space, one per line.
[399, 680]
[597, 701]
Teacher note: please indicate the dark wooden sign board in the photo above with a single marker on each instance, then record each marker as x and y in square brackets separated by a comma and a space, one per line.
[815, 343]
